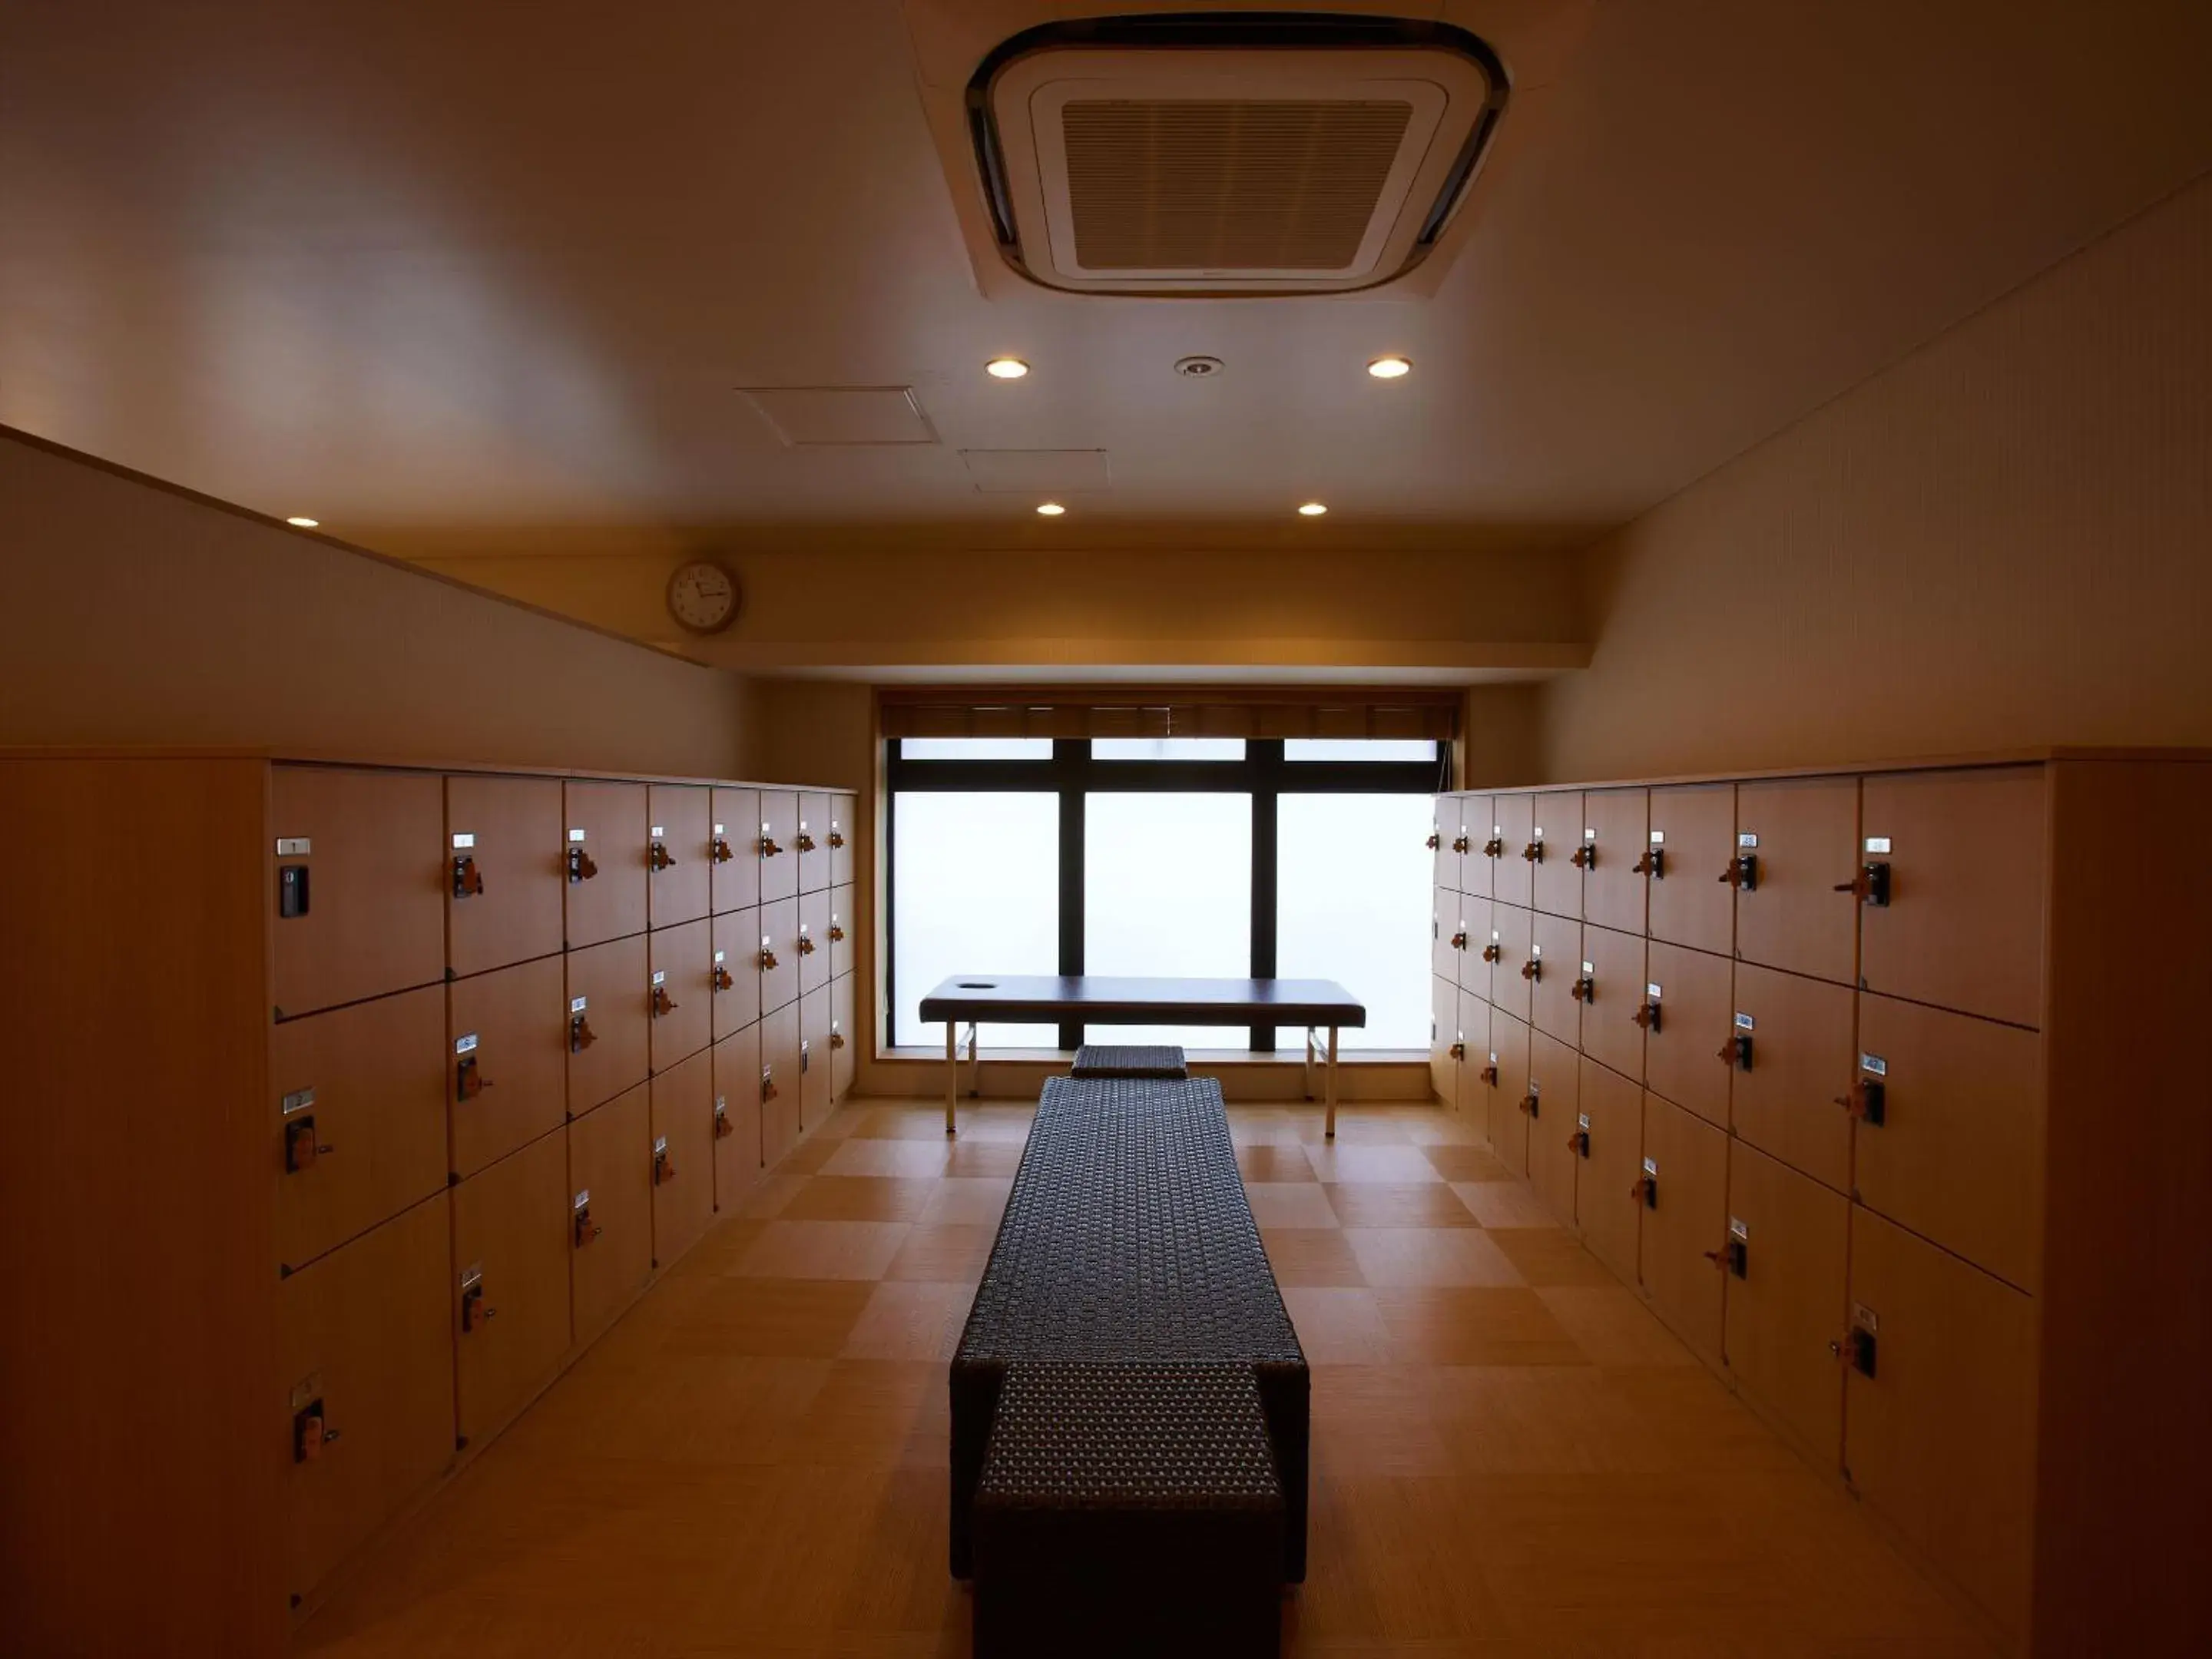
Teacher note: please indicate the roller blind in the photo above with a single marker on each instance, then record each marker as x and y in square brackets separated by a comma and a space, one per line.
[1207, 712]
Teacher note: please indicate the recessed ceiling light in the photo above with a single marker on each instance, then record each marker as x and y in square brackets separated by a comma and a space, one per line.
[1051, 509]
[1005, 369]
[302, 521]
[1312, 510]
[1389, 368]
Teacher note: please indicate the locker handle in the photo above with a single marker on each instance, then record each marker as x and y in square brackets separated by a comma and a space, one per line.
[1533, 969]
[1856, 1350]
[769, 849]
[1532, 1103]
[581, 865]
[1534, 852]
[1584, 989]
[473, 1311]
[723, 1127]
[1647, 1017]
[468, 1081]
[468, 880]
[805, 843]
[1494, 848]
[661, 858]
[1435, 841]
[767, 961]
[767, 1083]
[580, 1034]
[662, 1002]
[1870, 886]
[1492, 953]
[1459, 940]
[1490, 1075]
[664, 1169]
[1585, 857]
[719, 851]
[1461, 843]
[837, 934]
[723, 981]
[1742, 873]
[1645, 1192]
[1867, 1102]
[301, 1148]
[836, 1039]
[1458, 1051]
[586, 1228]
[311, 1432]
[1719, 1258]
[1579, 1142]
[1736, 1051]
[1652, 864]
[806, 944]
[837, 840]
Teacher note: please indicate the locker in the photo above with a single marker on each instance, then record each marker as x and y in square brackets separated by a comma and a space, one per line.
[777, 954]
[1616, 843]
[608, 1020]
[610, 1211]
[1444, 844]
[779, 1086]
[1447, 935]
[1556, 830]
[1472, 1092]
[680, 1001]
[1610, 1121]
[1964, 857]
[1511, 977]
[1512, 867]
[358, 893]
[1689, 1045]
[816, 1099]
[1612, 1003]
[811, 842]
[605, 869]
[844, 1037]
[509, 1289]
[1508, 1090]
[1555, 952]
[503, 886]
[1691, 841]
[507, 1060]
[1795, 858]
[1473, 966]
[843, 923]
[682, 1156]
[733, 850]
[1682, 1186]
[1477, 866]
[1792, 1099]
[1554, 1097]
[842, 831]
[679, 856]
[777, 844]
[1957, 1155]
[1788, 1248]
[812, 943]
[367, 1386]
[357, 1110]
[1447, 1041]
[733, 971]
[1939, 1439]
[737, 1073]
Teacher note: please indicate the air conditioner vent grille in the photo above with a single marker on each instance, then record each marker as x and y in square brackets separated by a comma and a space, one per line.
[1227, 184]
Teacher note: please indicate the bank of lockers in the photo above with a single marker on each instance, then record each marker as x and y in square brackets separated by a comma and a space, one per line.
[1819, 1021]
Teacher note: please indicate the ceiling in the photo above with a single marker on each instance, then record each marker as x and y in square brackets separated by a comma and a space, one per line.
[464, 279]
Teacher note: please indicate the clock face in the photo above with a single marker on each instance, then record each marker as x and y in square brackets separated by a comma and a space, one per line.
[702, 597]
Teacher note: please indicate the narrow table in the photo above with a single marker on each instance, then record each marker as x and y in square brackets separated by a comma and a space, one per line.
[1311, 1005]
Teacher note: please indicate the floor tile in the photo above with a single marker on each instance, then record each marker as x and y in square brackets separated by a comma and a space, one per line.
[980, 1198]
[1336, 1326]
[910, 1319]
[1509, 1203]
[1274, 1162]
[859, 1198]
[859, 1155]
[1399, 1163]
[1465, 1162]
[1612, 1327]
[1290, 1204]
[1391, 1204]
[954, 1251]
[1549, 1255]
[1430, 1256]
[822, 1249]
[1472, 1325]
[1310, 1255]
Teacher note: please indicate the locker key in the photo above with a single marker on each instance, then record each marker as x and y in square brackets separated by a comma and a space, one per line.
[659, 857]
[473, 1311]
[1585, 856]
[1490, 1073]
[1856, 1350]
[581, 865]
[662, 1002]
[1871, 885]
[1648, 1015]
[806, 943]
[586, 1230]
[723, 1127]
[1584, 989]
[1868, 1100]
[836, 838]
[1652, 864]
[769, 849]
[1460, 842]
[300, 1147]
[1493, 951]
[1494, 848]
[1435, 840]
[836, 1039]
[1742, 873]
[1459, 940]
[311, 1432]
[837, 934]
[723, 981]
[1534, 852]
[1532, 969]
[768, 1083]
[580, 1034]
[469, 1081]
[468, 880]
[1646, 1189]
[767, 960]
[1578, 1142]
[663, 1164]
[719, 850]
[805, 843]
[1532, 1103]
[1737, 1051]
[1458, 1051]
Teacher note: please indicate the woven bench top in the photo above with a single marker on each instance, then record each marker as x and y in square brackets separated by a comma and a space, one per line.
[1096, 1060]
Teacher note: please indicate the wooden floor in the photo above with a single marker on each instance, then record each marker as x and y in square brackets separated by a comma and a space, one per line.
[1511, 1457]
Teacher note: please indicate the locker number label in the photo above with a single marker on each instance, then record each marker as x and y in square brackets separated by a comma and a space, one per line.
[463, 842]
[576, 1005]
[661, 978]
[465, 1045]
[1651, 1168]
[1745, 1023]
[575, 835]
[1739, 1230]
[1874, 1064]
[1658, 837]
[658, 832]
[1877, 843]
[1746, 840]
[1651, 990]
[293, 847]
[299, 1101]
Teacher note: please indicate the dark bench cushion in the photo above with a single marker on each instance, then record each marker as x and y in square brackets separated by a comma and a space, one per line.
[1097, 1060]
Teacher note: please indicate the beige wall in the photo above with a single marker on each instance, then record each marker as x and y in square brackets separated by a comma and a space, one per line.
[2005, 539]
[134, 615]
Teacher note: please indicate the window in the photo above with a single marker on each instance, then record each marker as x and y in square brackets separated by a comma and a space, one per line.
[1203, 857]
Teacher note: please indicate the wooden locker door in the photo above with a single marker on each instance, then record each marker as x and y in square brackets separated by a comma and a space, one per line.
[1554, 1096]
[357, 1117]
[605, 868]
[1801, 832]
[1471, 1094]
[1513, 867]
[503, 894]
[1958, 1154]
[1509, 1091]
[682, 1102]
[737, 1062]
[1789, 1243]
[1611, 1033]
[1473, 966]
[609, 1028]
[1477, 869]
[816, 1097]
[844, 1037]
[733, 849]
[777, 954]
[1690, 899]
[811, 842]
[1445, 931]
[610, 1211]
[510, 1285]
[844, 825]
[1444, 1038]
[1555, 952]
[1684, 1225]
[507, 1066]
[777, 844]
[1793, 1100]
[734, 968]
[843, 920]
[679, 859]
[1556, 828]
[1965, 855]
[1688, 1050]
[1443, 829]
[1939, 1439]
[356, 884]
[1613, 883]
[812, 943]
[368, 1341]
[1610, 1112]
[779, 1086]
[1510, 979]
[680, 976]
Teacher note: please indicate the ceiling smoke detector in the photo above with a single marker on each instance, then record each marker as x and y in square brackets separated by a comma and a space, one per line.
[1198, 368]
[1227, 154]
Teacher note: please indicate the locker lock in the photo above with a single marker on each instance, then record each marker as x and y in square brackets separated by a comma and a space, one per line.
[469, 1080]
[768, 849]
[1490, 1071]
[1857, 1349]
[581, 865]
[836, 1038]
[1494, 848]
[1585, 856]
[468, 880]
[1584, 989]
[1646, 1189]
[1733, 1256]
[1493, 951]
[1461, 842]
[719, 850]
[806, 941]
[805, 842]
[1533, 1102]
[836, 933]
[1534, 852]
[1652, 864]
[723, 1127]
[723, 981]
[1578, 1142]
[311, 1432]
[805, 1057]
[582, 1228]
[301, 1148]
[1868, 1100]
[473, 1311]
[1459, 1051]
[1533, 969]
[1871, 885]
[767, 960]
[662, 1002]
[659, 857]
[1459, 940]
[580, 1034]
[1742, 873]
[836, 837]
[1436, 840]
[767, 1083]
[1648, 1015]
[292, 889]
[1736, 1051]
[663, 1165]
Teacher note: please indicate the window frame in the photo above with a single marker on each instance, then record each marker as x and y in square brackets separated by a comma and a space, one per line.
[1072, 773]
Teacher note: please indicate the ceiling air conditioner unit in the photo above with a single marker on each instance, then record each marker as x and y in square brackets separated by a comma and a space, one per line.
[1229, 153]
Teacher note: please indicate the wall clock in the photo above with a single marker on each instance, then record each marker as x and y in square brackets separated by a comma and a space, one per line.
[702, 597]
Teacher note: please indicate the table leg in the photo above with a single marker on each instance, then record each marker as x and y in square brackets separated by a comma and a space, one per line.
[1332, 1083]
[951, 1074]
[975, 1060]
[1306, 1041]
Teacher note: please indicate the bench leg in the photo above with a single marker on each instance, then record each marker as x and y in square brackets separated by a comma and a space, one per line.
[1332, 1083]
[952, 1076]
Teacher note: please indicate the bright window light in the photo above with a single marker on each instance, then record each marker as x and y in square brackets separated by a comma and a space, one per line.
[975, 748]
[975, 878]
[1168, 890]
[1359, 919]
[1359, 749]
[1167, 749]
